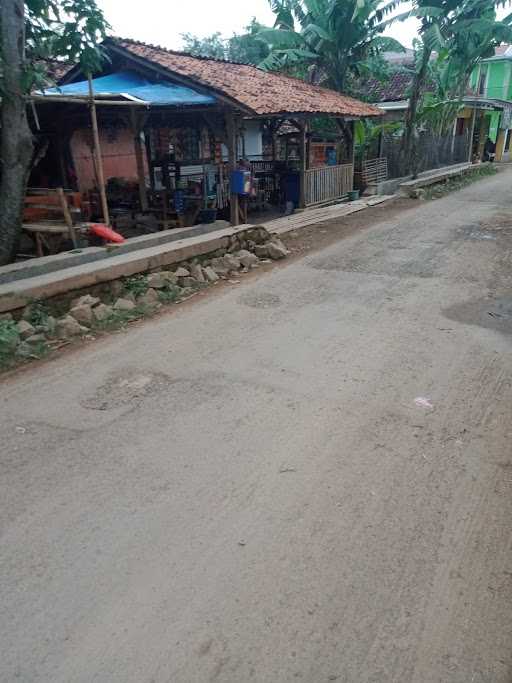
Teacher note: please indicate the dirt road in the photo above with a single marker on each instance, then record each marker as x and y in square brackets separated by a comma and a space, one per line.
[256, 487]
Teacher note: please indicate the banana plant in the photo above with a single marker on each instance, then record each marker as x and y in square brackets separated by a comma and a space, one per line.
[458, 34]
[333, 42]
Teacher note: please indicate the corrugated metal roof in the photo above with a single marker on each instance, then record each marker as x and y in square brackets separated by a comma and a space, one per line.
[133, 86]
[257, 91]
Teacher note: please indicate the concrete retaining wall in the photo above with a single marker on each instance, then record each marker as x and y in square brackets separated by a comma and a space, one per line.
[20, 292]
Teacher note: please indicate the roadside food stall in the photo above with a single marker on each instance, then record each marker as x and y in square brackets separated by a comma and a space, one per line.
[161, 139]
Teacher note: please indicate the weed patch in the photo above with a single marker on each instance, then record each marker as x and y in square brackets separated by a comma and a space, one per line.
[459, 182]
[170, 294]
[136, 285]
[9, 338]
[119, 319]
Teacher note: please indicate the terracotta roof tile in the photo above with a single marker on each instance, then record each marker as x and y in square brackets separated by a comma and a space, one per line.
[394, 89]
[259, 92]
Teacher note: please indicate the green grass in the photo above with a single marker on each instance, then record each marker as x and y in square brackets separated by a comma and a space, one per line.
[9, 338]
[38, 313]
[119, 319]
[170, 294]
[457, 183]
[136, 285]
[13, 350]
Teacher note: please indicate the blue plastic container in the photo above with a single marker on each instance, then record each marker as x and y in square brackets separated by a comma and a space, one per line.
[241, 182]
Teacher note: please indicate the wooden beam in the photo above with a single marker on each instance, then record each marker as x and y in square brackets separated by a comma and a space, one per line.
[80, 99]
[139, 158]
[97, 154]
[303, 164]
[231, 128]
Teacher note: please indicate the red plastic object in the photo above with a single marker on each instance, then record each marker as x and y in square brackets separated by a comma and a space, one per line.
[106, 233]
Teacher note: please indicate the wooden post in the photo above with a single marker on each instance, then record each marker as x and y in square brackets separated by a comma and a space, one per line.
[67, 215]
[231, 145]
[97, 154]
[353, 152]
[303, 164]
[139, 158]
[62, 163]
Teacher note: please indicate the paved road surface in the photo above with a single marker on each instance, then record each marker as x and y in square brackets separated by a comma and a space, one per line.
[246, 490]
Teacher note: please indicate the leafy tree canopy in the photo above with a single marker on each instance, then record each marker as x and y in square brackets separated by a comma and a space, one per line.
[247, 48]
[334, 42]
[31, 34]
[68, 30]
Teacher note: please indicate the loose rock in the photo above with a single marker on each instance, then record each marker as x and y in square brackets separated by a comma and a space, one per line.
[82, 314]
[259, 234]
[219, 266]
[25, 329]
[247, 259]
[170, 277]
[189, 282]
[261, 250]
[86, 300]
[210, 274]
[197, 273]
[6, 316]
[157, 280]
[69, 327]
[48, 326]
[150, 298]
[232, 262]
[102, 312]
[36, 339]
[276, 250]
[181, 272]
[124, 304]
[24, 350]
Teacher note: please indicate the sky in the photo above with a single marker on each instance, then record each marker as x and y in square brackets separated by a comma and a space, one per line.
[163, 21]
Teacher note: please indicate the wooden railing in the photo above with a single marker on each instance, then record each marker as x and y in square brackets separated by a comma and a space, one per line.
[374, 170]
[327, 183]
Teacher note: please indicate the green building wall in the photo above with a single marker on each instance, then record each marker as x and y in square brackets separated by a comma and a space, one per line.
[496, 81]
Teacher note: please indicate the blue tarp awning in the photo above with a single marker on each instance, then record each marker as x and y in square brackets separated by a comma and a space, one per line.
[135, 87]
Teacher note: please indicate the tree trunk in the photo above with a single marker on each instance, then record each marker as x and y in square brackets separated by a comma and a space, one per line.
[409, 151]
[16, 138]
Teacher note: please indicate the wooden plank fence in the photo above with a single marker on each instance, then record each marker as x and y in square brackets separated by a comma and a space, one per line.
[374, 170]
[327, 183]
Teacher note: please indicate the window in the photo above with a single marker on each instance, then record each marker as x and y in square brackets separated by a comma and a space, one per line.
[481, 81]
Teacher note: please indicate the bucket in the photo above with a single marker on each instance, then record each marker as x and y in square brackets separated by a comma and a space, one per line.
[353, 195]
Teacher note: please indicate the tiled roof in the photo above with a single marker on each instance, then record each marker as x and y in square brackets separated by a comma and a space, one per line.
[256, 91]
[55, 69]
[394, 89]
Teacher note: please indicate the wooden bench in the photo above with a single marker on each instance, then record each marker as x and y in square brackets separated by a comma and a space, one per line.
[48, 233]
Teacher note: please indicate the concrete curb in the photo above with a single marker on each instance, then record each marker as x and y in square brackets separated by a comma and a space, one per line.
[76, 257]
[17, 294]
